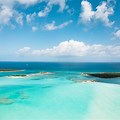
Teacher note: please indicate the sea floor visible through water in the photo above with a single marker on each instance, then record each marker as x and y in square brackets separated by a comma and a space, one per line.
[58, 91]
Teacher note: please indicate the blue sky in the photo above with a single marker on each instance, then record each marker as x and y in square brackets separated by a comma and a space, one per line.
[60, 30]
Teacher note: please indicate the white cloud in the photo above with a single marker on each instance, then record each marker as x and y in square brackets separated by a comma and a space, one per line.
[34, 28]
[6, 14]
[87, 13]
[30, 17]
[52, 26]
[102, 13]
[25, 2]
[50, 3]
[117, 34]
[45, 12]
[28, 2]
[77, 48]
[8, 11]
[61, 3]
[23, 51]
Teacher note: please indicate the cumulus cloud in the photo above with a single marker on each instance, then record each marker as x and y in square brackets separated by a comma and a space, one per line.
[52, 26]
[102, 13]
[76, 48]
[87, 13]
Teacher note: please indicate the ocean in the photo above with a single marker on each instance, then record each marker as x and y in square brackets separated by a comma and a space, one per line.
[58, 91]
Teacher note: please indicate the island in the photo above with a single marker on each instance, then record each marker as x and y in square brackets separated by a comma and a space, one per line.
[105, 75]
[10, 70]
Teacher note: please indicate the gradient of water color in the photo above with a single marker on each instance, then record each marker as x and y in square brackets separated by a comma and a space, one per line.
[56, 95]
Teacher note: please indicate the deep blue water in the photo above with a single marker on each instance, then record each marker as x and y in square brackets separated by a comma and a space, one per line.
[51, 66]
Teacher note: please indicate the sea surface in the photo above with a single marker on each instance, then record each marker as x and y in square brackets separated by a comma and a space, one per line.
[58, 91]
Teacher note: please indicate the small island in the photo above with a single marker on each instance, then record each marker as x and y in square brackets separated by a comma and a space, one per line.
[9, 70]
[105, 75]
[29, 75]
[18, 76]
[23, 75]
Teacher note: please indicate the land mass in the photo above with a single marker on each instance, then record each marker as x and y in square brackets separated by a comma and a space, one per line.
[105, 75]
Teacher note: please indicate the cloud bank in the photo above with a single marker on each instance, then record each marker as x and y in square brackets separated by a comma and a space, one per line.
[74, 48]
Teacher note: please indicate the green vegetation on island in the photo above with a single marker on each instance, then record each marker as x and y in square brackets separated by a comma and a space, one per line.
[105, 75]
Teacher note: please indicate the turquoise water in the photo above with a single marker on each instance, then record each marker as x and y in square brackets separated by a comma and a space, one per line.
[50, 92]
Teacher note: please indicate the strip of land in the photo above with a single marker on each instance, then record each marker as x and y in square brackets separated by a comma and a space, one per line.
[9, 70]
[105, 75]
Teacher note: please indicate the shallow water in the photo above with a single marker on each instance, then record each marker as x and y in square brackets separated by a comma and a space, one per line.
[58, 96]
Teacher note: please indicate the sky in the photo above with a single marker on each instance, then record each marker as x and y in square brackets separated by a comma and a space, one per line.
[60, 30]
